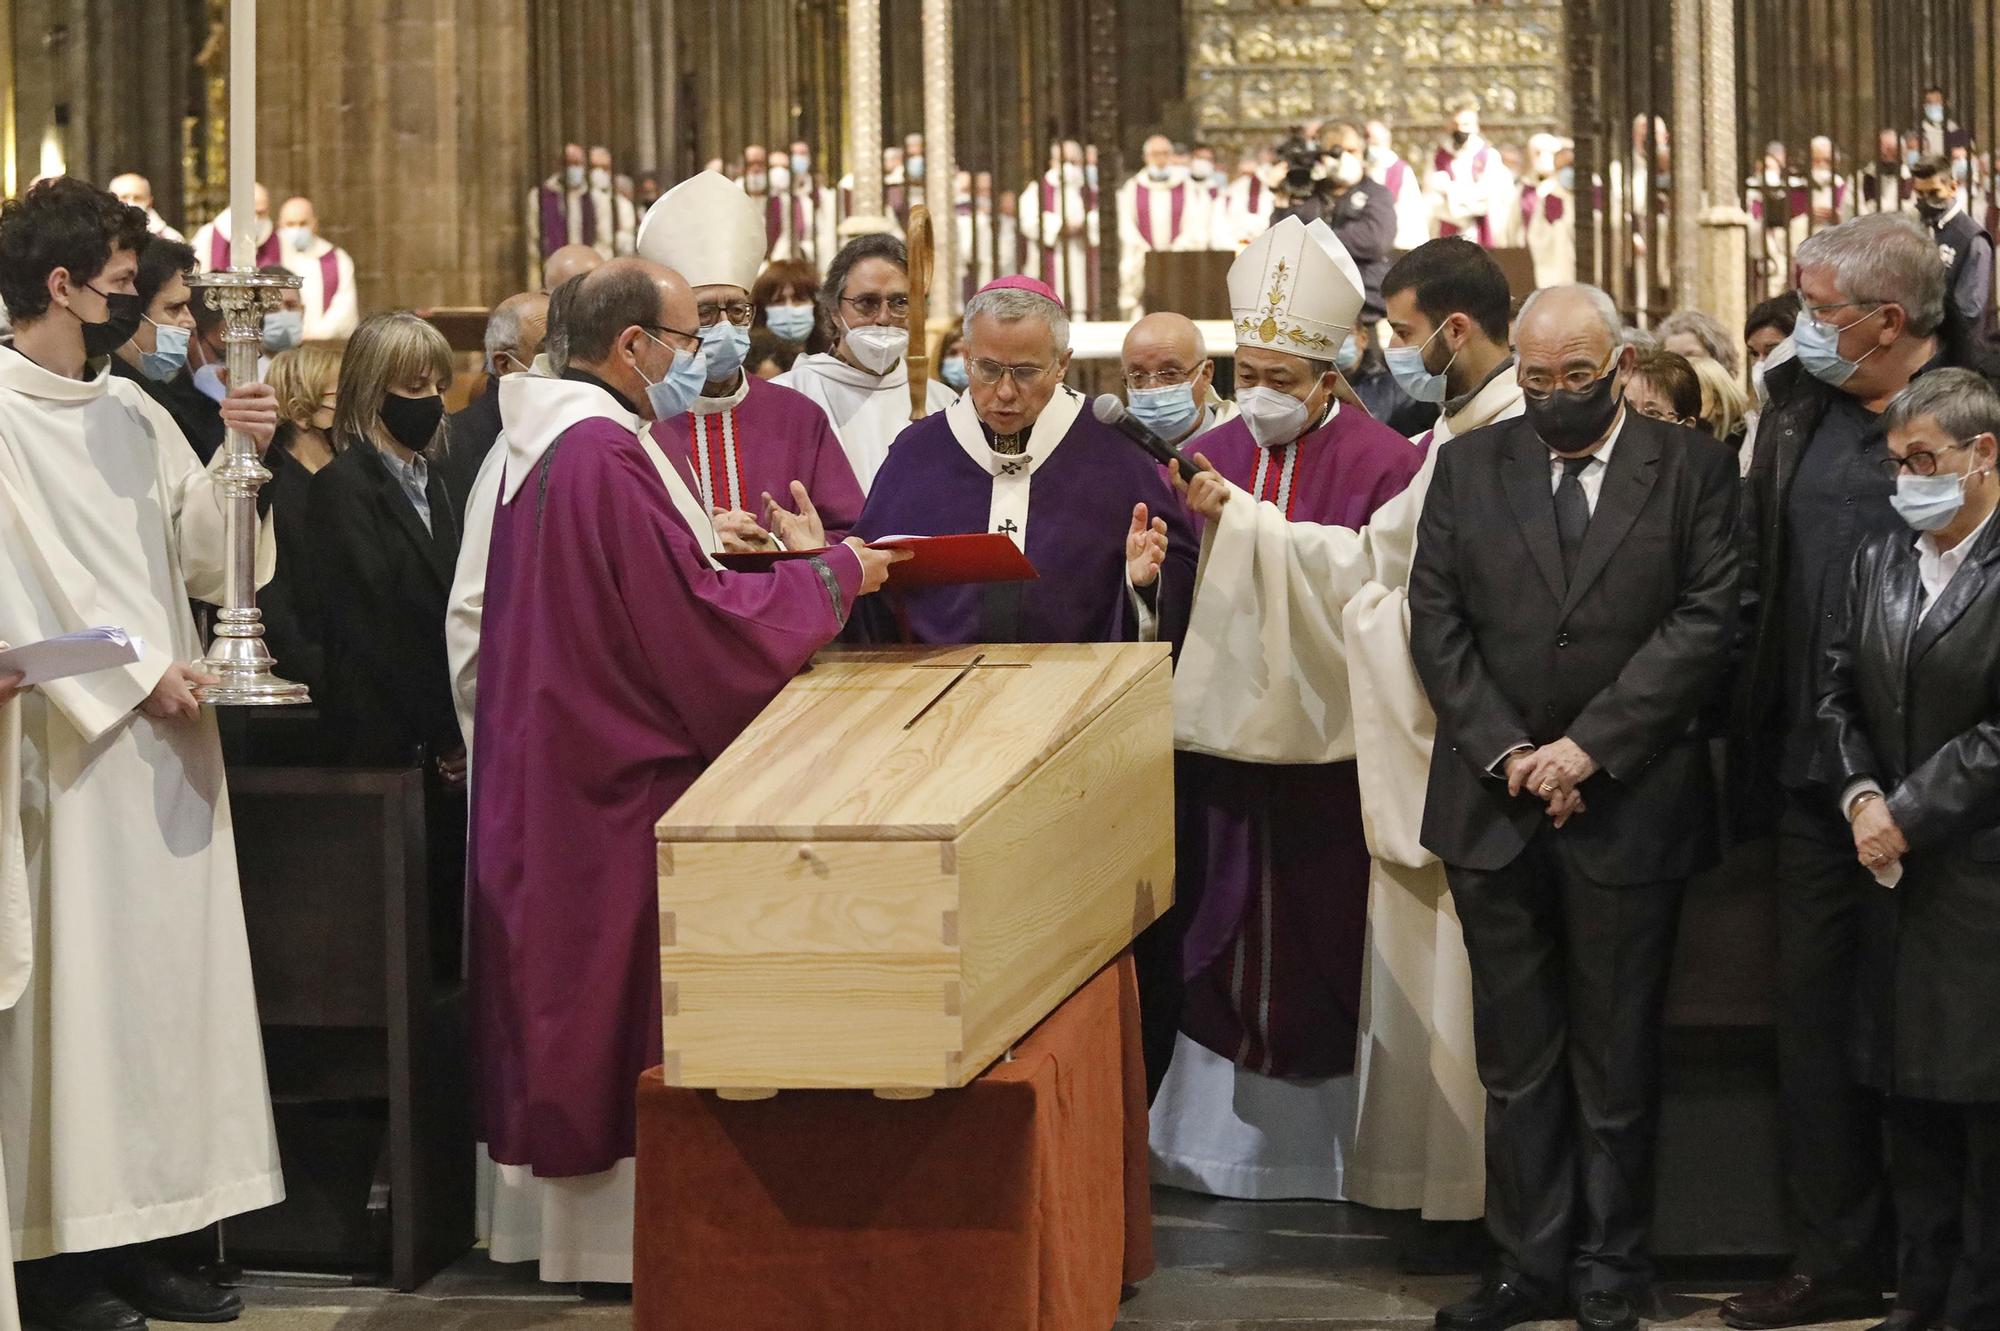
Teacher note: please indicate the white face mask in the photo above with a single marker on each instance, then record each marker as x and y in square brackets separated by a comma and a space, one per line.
[600, 177]
[1273, 417]
[877, 347]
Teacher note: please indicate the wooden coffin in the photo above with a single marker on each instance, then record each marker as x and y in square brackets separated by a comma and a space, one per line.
[909, 859]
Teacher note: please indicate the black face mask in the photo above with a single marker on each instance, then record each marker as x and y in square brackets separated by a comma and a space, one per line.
[411, 421]
[1460, 137]
[123, 311]
[1571, 422]
[1931, 212]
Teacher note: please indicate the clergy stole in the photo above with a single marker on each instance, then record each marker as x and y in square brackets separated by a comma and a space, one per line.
[269, 254]
[555, 218]
[1452, 166]
[1142, 210]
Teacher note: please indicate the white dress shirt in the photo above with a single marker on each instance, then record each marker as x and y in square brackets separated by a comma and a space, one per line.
[1936, 568]
[1591, 478]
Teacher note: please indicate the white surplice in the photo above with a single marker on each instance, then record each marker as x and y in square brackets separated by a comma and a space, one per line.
[867, 412]
[1297, 651]
[133, 1103]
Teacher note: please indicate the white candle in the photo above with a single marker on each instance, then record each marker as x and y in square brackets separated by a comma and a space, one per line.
[242, 133]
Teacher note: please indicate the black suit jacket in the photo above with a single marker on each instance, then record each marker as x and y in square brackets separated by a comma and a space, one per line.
[381, 587]
[1622, 659]
[198, 415]
[468, 438]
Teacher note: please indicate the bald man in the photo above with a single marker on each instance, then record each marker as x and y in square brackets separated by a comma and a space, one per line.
[1159, 209]
[326, 272]
[211, 242]
[567, 262]
[1169, 378]
[136, 190]
[596, 539]
[513, 339]
[1571, 608]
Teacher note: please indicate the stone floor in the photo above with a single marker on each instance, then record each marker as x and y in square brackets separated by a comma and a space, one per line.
[1224, 1266]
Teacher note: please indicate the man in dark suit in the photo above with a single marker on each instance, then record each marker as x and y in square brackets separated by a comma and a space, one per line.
[1571, 609]
[513, 339]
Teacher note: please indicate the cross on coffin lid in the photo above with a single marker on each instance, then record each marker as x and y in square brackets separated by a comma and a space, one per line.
[830, 758]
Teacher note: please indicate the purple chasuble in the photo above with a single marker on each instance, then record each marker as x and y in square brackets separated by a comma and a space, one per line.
[555, 220]
[1079, 511]
[774, 436]
[269, 255]
[1273, 865]
[614, 665]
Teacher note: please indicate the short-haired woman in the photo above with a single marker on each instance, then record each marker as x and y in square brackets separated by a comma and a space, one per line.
[1663, 385]
[1910, 722]
[304, 379]
[786, 295]
[382, 545]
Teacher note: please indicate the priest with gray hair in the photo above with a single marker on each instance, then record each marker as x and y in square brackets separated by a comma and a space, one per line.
[1019, 454]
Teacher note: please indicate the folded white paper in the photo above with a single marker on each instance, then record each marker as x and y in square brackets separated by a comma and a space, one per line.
[1889, 876]
[77, 653]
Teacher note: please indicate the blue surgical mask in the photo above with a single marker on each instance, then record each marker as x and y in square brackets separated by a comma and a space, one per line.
[1407, 364]
[793, 323]
[1912, 157]
[683, 383]
[1168, 412]
[170, 356]
[952, 370]
[1928, 502]
[801, 164]
[724, 345]
[1934, 114]
[1566, 177]
[208, 379]
[1349, 354]
[1960, 168]
[283, 330]
[1818, 345]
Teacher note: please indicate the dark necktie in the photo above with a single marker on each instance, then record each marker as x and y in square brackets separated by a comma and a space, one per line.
[1572, 512]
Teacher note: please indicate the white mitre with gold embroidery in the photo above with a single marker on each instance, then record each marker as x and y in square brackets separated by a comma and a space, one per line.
[707, 230]
[1295, 290]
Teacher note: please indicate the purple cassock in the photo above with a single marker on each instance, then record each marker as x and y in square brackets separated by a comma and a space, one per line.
[1066, 500]
[615, 663]
[760, 439]
[1273, 864]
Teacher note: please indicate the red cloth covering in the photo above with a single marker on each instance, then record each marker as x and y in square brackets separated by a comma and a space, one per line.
[1020, 1201]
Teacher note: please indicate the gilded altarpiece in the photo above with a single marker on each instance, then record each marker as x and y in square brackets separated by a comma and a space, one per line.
[1258, 67]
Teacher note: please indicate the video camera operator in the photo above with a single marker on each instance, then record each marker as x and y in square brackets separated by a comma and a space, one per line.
[1328, 181]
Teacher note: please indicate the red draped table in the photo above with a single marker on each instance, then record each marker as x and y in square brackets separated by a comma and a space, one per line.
[1019, 1203]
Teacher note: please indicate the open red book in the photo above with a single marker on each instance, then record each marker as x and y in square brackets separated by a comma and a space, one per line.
[936, 561]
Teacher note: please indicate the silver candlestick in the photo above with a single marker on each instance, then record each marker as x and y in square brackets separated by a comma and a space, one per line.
[238, 657]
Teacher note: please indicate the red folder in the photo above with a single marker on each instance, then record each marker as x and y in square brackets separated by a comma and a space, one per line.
[935, 561]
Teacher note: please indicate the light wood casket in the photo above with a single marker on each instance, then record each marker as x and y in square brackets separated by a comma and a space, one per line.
[903, 865]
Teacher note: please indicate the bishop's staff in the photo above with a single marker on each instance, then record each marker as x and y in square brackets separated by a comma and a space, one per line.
[238, 657]
[918, 357]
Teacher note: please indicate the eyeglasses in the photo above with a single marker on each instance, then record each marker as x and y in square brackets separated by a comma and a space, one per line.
[669, 328]
[1538, 384]
[1920, 462]
[1658, 413]
[1814, 311]
[871, 306]
[738, 312]
[992, 371]
[1169, 378]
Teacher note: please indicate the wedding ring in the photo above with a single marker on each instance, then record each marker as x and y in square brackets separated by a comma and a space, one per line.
[1548, 787]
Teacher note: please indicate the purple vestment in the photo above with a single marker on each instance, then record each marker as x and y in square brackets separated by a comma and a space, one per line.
[614, 665]
[1273, 866]
[774, 436]
[1079, 512]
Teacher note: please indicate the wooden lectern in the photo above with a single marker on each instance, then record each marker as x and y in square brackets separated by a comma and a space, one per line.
[911, 858]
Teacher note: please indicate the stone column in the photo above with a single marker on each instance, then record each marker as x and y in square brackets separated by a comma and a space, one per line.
[940, 159]
[1688, 162]
[1723, 279]
[864, 115]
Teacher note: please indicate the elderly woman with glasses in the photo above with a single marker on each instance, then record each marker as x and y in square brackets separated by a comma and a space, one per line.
[1665, 387]
[863, 384]
[1910, 719]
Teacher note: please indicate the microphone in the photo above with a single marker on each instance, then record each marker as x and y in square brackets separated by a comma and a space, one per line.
[1110, 411]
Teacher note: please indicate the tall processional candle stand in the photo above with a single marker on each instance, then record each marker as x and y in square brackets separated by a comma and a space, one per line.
[237, 656]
